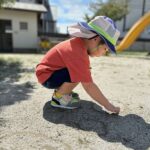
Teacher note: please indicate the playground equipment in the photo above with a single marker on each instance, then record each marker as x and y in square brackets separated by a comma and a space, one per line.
[134, 32]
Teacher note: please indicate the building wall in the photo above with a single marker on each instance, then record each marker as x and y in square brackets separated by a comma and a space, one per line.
[47, 21]
[22, 39]
[135, 8]
[135, 13]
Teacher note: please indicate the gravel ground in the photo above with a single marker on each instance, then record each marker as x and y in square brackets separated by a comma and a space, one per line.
[27, 122]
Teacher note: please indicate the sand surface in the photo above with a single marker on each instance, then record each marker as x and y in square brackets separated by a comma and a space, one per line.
[27, 122]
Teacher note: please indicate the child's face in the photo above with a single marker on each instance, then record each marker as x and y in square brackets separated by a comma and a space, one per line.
[97, 48]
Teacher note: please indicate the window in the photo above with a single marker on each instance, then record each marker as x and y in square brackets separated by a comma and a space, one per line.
[23, 26]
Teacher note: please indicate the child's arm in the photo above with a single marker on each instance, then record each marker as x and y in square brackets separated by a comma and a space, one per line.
[93, 90]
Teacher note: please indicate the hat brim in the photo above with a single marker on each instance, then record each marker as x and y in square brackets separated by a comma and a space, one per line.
[111, 46]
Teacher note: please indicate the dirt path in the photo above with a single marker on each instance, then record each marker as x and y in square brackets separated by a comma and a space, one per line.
[27, 122]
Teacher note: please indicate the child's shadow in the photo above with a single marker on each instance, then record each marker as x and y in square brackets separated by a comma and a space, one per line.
[131, 130]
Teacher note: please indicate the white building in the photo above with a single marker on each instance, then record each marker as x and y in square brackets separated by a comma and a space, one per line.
[136, 9]
[21, 23]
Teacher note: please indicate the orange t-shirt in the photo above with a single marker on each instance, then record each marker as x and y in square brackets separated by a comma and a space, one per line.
[70, 54]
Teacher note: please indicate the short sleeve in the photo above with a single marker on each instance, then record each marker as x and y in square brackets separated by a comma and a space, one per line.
[74, 55]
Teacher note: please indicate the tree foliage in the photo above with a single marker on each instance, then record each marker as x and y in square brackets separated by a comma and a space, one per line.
[2, 2]
[114, 9]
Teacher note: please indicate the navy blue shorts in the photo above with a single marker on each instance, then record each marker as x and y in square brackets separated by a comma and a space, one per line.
[57, 79]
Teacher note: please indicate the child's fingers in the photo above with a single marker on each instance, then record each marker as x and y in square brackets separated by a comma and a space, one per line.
[117, 110]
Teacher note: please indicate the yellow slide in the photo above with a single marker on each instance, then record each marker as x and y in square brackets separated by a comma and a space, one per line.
[134, 32]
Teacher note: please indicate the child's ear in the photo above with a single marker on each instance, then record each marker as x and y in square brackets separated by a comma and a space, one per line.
[96, 38]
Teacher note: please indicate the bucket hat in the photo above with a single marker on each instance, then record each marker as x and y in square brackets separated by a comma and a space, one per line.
[77, 30]
[100, 25]
[105, 28]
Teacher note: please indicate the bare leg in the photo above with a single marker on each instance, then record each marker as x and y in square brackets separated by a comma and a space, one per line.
[66, 88]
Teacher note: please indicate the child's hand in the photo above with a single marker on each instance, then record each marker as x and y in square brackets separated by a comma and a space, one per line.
[113, 109]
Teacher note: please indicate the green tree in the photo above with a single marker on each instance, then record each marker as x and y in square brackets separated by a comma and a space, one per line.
[114, 9]
[2, 2]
